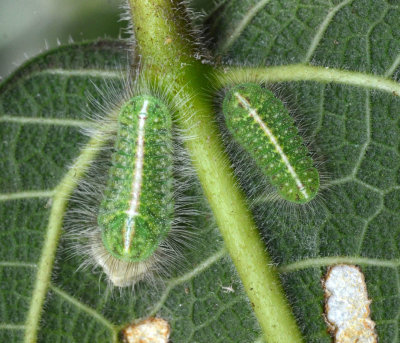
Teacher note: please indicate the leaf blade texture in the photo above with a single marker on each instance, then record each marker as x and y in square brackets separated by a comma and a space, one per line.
[354, 130]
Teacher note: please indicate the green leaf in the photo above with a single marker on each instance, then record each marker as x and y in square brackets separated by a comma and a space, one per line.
[354, 129]
[43, 106]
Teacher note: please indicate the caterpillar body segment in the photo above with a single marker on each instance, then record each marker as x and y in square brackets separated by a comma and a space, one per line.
[262, 125]
[136, 212]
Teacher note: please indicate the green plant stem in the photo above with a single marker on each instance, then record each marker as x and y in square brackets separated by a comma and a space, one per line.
[167, 52]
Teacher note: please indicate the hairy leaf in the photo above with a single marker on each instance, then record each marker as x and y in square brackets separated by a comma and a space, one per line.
[353, 130]
[43, 107]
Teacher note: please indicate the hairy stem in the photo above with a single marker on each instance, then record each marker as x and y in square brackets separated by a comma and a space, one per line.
[168, 55]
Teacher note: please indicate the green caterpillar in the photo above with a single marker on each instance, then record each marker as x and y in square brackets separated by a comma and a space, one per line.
[135, 214]
[261, 124]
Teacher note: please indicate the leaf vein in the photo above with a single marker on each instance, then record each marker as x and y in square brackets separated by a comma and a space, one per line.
[83, 307]
[17, 264]
[215, 316]
[179, 280]
[367, 222]
[368, 36]
[106, 74]
[364, 147]
[26, 195]
[301, 72]
[53, 232]
[393, 67]
[6, 326]
[332, 260]
[45, 121]
[322, 28]
[244, 22]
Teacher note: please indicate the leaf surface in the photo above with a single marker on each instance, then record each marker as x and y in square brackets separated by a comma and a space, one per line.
[43, 107]
[354, 131]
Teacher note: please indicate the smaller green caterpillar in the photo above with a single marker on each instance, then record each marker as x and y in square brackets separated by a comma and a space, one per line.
[261, 124]
[135, 214]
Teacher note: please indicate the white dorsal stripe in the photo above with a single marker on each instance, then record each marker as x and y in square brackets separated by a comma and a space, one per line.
[137, 178]
[253, 113]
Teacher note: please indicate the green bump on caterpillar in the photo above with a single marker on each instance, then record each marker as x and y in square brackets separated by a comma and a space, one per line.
[261, 124]
[135, 214]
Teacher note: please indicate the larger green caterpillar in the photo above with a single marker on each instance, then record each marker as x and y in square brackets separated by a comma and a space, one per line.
[261, 124]
[135, 214]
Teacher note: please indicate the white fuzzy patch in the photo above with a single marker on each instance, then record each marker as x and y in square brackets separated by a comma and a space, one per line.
[151, 330]
[347, 305]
